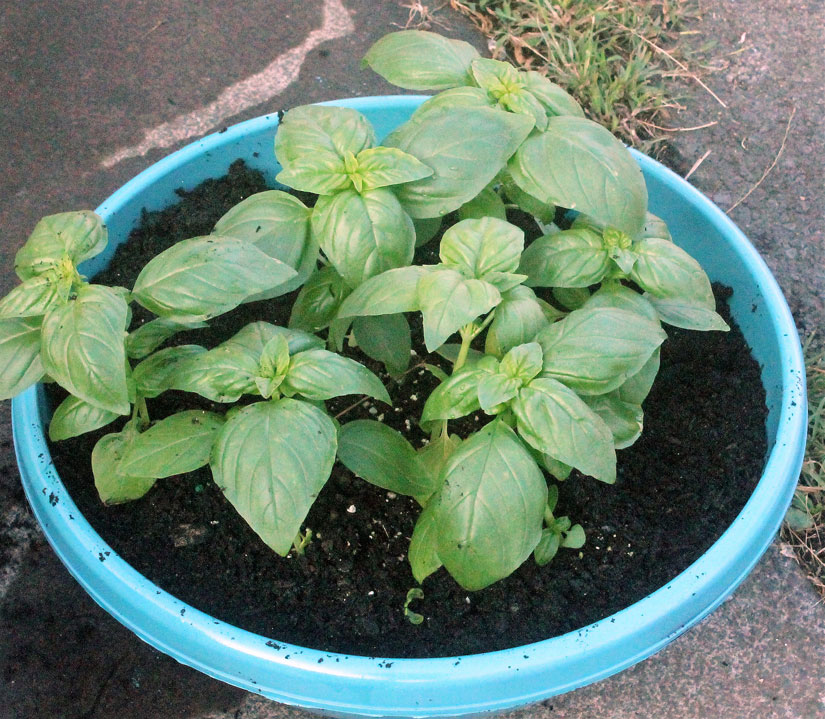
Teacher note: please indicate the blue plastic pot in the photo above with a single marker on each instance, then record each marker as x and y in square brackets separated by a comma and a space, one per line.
[369, 686]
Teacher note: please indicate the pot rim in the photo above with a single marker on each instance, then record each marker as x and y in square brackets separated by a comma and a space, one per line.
[440, 686]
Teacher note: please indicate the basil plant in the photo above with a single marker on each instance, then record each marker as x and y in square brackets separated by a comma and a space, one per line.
[550, 345]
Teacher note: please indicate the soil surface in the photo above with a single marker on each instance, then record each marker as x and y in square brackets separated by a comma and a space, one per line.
[678, 488]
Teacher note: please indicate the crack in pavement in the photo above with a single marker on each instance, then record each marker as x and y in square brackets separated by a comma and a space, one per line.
[253, 90]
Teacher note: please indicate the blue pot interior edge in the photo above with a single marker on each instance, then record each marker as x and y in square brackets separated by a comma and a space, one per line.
[696, 224]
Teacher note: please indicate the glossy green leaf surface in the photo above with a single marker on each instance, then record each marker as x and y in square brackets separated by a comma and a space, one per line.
[421, 60]
[385, 338]
[490, 509]
[572, 258]
[318, 301]
[389, 293]
[206, 276]
[74, 417]
[271, 460]
[154, 375]
[20, 363]
[478, 248]
[113, 487]
[151, 335]
[82, 347]
[554, 420]
[177, 444]
[320, 375]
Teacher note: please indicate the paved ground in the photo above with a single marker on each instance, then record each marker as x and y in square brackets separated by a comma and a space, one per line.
[89, 87]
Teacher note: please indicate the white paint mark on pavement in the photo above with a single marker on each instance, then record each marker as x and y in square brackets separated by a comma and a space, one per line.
[251, 91]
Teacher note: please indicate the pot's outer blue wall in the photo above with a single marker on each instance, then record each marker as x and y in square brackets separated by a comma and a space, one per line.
[348, 685]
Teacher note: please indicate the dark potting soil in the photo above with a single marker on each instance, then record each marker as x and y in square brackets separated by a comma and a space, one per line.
[678, 488]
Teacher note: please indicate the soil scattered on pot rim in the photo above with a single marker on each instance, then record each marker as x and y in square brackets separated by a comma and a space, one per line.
[678, 488]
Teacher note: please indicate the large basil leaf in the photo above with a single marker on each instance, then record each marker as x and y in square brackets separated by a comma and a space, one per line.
[678, 286]
[319, 375]
[490, 508]
[206, 276]
[578, 164]
[624, 419]
[363, 234]
[456, 97]
[573, 258]
[20, 363]
[385, 338]
[153, 375]
[178, 444]
[423, 550]
[383, 457]
[449, 301]
[389, 293]
[519, 317]
[465, 146]
[82, 347]
[271, 460]
[318, 301]
[277, 223]
[616, 295]
[73, 417]
[478, 248]
[151, 335]
[420, 60]
[594, 351]
[75, 235]
[113, 487]
[554, 420]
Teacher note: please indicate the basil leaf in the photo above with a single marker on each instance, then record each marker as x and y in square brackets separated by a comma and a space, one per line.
[496, 389]
[594, 351]
[73, 417]
[578, 164]
[457, 397]
[318, 301]
[450, 301]
[616, 295]
[636, 388]
[389, 293]
[486, 203]
[574, 538]
[319, 375]
[465, 146]
[455, 97]
[477, 248]
[506, 84]
[178, 444]
[385, 338]
[20, 363]
[655, 227]
[82, 347]
[572, 298]
[504, 281]
[154, 375]
[518, 319]
[278, 224]
[363, 234]
[547, 548]
[554, 420]
[423, 550]
[426, 229]
[420, 60]
[572, 258]
[75, 235]
[274, 360]
[383, 166]
[678, 286]
[148, 337]
[206, 276]
[222, 374]
[554, 100]
[113, 487]
[625, 420]
[434, 455]
[312, 141]
[490, 508]
[383, 457]
[522, 362]
[35, 296]
[254, 337]
[271, 460]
